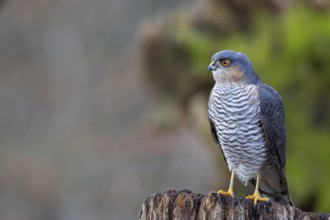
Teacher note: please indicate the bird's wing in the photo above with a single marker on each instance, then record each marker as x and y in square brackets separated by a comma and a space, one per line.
[272, 120]
[214, 132]
[215, 137]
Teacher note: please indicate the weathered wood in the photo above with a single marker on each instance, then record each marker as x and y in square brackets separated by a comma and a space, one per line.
[187, 205]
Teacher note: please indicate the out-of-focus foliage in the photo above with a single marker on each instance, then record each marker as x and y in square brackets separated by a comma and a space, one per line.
[290, 50]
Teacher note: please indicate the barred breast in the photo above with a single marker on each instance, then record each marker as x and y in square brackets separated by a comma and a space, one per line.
[234, 110]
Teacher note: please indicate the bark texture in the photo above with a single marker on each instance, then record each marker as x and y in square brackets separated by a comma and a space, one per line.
[188, 205]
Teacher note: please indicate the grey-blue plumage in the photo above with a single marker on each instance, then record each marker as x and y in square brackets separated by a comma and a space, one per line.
[247, 122]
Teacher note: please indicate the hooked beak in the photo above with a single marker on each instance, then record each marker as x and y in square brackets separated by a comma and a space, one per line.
[211, 66]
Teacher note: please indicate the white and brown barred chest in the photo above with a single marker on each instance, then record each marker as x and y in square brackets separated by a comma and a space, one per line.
[234, 109]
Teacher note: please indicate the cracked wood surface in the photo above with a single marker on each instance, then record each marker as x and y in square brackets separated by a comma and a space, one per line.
[188, 205]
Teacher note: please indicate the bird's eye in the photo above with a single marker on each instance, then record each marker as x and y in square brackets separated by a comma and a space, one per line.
[224, 62]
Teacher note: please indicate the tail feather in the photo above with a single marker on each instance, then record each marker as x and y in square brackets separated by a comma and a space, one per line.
[274, 187]
[282, 197]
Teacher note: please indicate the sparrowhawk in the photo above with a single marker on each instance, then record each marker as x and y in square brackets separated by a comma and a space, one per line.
[247, 122]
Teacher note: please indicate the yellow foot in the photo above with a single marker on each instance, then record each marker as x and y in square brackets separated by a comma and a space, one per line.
[229, 193]
[256, 197]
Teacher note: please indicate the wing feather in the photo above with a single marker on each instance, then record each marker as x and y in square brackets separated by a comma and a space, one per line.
[215, 138]
[272, 120]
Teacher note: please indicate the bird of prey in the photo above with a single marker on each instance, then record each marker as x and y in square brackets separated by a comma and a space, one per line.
[247, 122]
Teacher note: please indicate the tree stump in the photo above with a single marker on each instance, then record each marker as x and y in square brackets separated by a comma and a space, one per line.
[188, 205]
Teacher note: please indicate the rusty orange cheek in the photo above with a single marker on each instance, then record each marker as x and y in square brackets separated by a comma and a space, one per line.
[235, 73]
[255, 93]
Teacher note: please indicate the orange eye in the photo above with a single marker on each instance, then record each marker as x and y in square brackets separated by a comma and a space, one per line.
[224, 62]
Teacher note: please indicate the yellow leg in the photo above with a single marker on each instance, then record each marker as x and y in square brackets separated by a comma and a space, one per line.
[230, 191]
[256, 195]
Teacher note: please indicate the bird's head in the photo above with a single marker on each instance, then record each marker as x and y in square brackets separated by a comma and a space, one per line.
[229, 66]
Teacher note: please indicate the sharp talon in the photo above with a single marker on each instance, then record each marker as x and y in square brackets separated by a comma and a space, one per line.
[229, 193]
[256, 198]
[256, 195]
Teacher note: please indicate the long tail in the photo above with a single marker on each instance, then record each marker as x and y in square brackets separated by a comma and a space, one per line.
[279, 197]
[274, 186]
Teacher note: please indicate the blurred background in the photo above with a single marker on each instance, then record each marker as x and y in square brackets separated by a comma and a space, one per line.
[104, 103]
